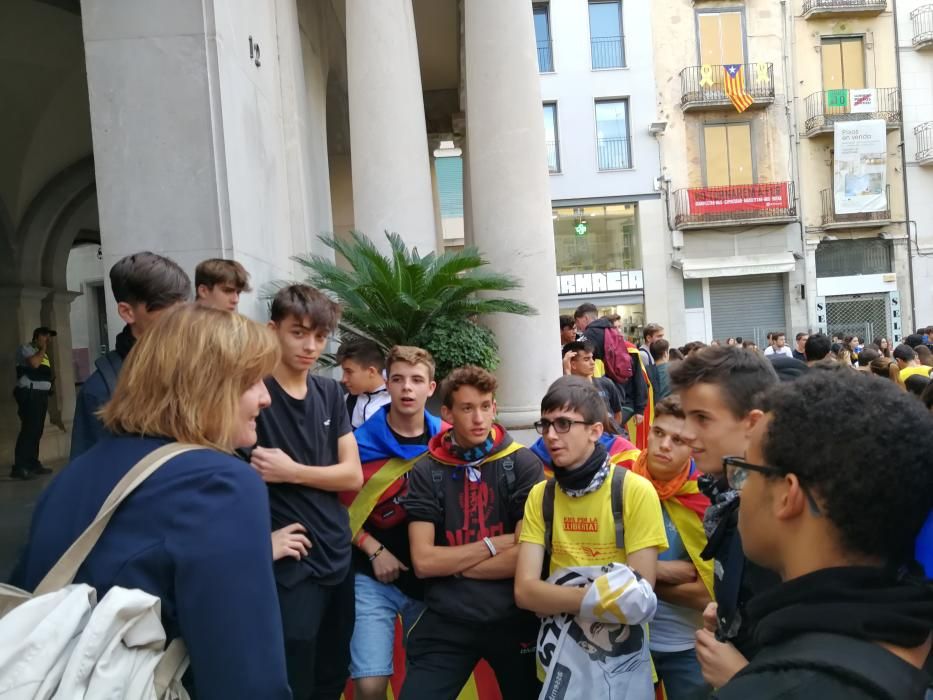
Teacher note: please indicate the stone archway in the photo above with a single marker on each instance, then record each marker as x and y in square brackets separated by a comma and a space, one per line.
[35, 292]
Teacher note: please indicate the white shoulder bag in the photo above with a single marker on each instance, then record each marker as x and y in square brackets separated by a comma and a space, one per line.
[60, 643]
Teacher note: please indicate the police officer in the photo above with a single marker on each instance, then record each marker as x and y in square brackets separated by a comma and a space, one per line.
[33, 384]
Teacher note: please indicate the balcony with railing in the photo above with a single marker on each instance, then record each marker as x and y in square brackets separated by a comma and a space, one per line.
[815, 9]
[704, 87]
[613, 153]
[553, 157]
[921, 20]
[607, 52]
[923, 133]
[545, 56]
[734, 205]
[824, 109]
[833, 219]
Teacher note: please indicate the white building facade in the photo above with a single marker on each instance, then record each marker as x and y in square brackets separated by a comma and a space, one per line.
[598, 100]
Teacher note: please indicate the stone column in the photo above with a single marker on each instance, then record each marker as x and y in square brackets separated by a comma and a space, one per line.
[510, 196]
[388, 139]
[56, 313]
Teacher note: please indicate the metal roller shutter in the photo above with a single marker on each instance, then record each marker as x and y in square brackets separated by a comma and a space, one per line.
[748, 307]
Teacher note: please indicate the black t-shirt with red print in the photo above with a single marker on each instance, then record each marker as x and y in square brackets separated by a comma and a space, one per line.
[465, 504]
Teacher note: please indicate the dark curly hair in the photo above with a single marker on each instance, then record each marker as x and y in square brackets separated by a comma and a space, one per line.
[863, 447]
[740, 374]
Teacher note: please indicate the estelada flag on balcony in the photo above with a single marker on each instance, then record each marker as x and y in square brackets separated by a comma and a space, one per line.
[735, 87]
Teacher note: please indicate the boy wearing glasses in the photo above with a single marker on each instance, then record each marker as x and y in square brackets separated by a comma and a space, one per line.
[830, 501]
[592, 514]
[718, 387]
[465, 503]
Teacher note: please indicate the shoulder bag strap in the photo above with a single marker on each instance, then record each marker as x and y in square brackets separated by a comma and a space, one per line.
[618, 485]
[547, 515]
[66, 568]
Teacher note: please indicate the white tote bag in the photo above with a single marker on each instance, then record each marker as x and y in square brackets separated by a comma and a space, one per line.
[61, 643]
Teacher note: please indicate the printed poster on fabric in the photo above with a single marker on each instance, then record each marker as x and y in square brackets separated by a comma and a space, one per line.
[860, 167]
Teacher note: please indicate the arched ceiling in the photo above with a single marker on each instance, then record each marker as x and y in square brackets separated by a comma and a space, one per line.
[43, 77]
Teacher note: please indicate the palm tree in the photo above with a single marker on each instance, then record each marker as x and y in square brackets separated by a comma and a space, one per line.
[396, 299]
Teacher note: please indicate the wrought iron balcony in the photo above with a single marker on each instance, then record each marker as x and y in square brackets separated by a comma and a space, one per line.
[813, 9]
[734, 205]
[922, 21]
[553, 158]
[704, 87]
[613, 153]
[824, 109]
[545, 56]
[863, 219]
[923, 133]
[607, 52]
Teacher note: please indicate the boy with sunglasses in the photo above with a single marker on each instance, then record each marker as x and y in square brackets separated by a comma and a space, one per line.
[718, 388]
[828, 503]
[592, 514]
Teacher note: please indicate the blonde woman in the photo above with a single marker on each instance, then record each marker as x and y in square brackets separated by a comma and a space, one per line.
[196, 533]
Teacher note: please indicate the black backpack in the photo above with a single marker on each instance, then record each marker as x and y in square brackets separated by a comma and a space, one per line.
[547, 513]
[855, 662]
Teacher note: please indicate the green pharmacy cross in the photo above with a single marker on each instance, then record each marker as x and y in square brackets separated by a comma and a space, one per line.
[580, 228]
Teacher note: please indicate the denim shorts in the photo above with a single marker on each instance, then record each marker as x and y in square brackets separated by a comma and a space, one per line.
[378, 605]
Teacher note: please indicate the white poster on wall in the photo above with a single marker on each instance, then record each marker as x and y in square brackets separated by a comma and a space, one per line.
[864, 101]
[860, 166]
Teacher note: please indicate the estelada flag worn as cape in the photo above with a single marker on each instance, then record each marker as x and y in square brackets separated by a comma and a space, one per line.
[620, 450]
[685, 507]
[385, 461]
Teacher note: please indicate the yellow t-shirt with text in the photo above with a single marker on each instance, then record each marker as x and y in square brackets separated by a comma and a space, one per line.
[583, 531]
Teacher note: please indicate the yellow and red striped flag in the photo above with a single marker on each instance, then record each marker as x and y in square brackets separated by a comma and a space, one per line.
[735, 87]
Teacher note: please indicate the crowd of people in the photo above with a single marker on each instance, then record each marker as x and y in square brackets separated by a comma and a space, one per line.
[698, 521]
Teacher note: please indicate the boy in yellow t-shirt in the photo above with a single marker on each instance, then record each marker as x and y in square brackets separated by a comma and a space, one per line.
[583, 528]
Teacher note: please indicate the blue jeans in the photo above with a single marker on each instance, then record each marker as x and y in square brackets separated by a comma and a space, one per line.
[680, 671]
[377, 607]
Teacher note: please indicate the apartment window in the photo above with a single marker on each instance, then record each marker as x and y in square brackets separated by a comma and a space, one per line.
[612, 137]
[843, 63]
[550, 137]
[728, 154]
[606, 43]
[721, 39]
[542, 17]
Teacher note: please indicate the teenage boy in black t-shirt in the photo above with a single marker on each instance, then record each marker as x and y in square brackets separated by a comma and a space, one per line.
[465, 504]
[306, 453]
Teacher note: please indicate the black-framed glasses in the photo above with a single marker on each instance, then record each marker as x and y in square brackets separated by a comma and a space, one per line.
[737, 471]
[560, 425]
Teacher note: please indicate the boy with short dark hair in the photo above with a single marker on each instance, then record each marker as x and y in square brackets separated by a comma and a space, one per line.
[466, 501]
[579, 361]
[594, 522]
[306, 453]
[363, 364]
[219, 283]
[718, 388]
[144, 285]
[827, 502]
[568, 330]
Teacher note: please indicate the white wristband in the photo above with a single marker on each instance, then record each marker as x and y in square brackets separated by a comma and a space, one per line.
[490, 546]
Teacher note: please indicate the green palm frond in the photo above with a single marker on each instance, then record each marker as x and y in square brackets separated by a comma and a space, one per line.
[391, 298]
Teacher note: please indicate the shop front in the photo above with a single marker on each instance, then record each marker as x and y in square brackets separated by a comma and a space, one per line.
[599, 261]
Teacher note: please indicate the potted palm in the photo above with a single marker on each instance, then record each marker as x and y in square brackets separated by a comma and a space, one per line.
[404, 298]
